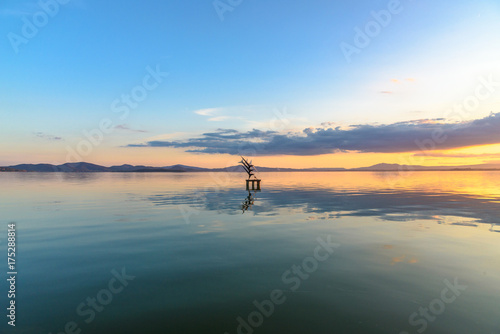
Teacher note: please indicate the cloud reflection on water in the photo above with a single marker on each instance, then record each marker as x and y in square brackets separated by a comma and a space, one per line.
[396, 205]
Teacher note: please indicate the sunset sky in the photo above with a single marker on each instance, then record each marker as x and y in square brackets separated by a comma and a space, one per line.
[291, 83]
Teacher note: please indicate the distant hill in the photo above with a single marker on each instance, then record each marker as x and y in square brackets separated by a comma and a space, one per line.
[82, 167]
[184, 168]
[85, 167]
[35, 168]
[67, 167]
[397, 167]
[125, 168]
[157, 170]
[8, 169]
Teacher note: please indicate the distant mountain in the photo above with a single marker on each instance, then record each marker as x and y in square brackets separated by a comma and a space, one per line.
[157, 170]
[36, 168]
[8, 169]
[85, 167]
[185, 168]
[82, 167]
[124, 168]
[67, 167]
[397, 167]
[385, 167]
[482, 166]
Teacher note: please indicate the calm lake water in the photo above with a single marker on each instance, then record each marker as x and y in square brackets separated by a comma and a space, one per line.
[315, 253]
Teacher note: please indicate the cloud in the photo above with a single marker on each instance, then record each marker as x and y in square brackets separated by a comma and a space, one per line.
[456, 155]
[411, 136]
[206, 112]
[127, 128]
[214, 114]
[46, 136]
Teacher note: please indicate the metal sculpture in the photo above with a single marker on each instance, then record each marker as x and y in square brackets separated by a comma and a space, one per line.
[249, 168]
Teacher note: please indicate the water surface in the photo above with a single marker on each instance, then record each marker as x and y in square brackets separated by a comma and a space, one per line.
[201, 264]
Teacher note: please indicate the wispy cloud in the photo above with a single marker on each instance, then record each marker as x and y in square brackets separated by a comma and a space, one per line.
[390, 138]
[47, 136]
[206, 112]
[456, 155]
[214, 114]
[125, 127]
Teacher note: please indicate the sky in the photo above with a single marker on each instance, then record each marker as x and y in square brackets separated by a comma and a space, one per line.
[289, 83]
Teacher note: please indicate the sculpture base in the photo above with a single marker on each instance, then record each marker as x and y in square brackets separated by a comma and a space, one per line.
[255, 184]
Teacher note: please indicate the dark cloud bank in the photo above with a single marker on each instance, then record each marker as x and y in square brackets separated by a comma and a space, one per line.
[398, 137]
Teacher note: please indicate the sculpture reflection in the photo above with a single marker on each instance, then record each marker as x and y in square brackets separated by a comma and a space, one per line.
[248, 202]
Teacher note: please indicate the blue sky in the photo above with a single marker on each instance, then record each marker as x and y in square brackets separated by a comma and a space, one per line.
[264, 56]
